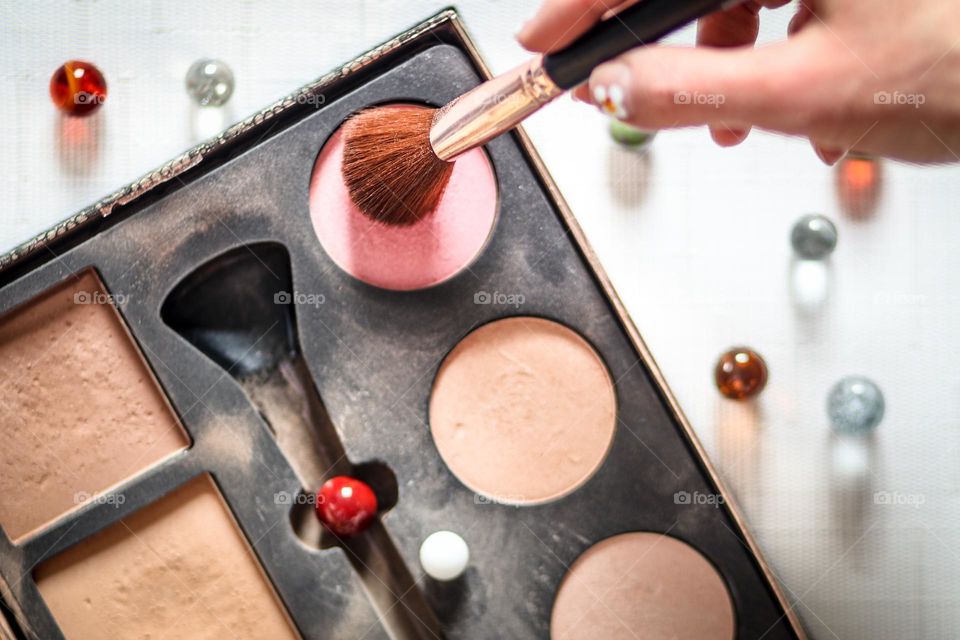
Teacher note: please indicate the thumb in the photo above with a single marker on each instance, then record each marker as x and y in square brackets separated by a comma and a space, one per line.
[773, 87]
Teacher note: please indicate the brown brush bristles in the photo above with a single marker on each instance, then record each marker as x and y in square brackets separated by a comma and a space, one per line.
[390, 169]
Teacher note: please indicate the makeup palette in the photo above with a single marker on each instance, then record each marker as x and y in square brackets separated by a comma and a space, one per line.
[189, 360]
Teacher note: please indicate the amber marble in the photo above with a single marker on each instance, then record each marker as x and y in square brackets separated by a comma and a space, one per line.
[740, 373]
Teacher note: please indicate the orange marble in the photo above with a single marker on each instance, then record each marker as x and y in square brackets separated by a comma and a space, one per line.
[78, 88]
[740, 373]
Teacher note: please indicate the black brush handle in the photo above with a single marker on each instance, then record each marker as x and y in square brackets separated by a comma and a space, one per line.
[643, 23]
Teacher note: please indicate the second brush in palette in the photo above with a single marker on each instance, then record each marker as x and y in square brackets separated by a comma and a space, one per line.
[474, 370]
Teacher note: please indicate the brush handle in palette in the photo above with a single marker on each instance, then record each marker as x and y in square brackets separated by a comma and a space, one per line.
[643, 23]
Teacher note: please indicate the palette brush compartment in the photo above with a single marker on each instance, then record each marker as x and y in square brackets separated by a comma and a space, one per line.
[477, 371]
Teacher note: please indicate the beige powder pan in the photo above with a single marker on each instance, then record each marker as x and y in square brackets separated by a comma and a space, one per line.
[523, 410]
[642, 585]
[179, 568]
[81, 409]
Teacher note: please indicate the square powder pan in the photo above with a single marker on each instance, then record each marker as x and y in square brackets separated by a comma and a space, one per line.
[250, 185]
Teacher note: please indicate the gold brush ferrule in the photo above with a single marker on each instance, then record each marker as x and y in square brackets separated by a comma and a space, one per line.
[494, 107]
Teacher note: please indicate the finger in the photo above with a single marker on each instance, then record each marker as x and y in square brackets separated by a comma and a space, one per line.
[559, 22]
[738, 26]
[773, 87]
[731, 28]
[735, 27]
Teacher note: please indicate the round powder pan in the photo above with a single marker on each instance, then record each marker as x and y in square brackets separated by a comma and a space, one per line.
[523, 411]
[642, 585]
[404, 258]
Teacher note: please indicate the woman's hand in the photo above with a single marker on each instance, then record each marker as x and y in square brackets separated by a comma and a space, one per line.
[855, 75]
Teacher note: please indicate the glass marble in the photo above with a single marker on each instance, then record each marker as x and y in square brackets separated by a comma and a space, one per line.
[77, 88]
[855, 405]
[740, 373]
[630, 136]
[859, 184]
[813, 237]
[346, 506]
[210, 82]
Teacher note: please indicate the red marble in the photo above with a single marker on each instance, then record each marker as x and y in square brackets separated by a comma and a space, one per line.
[740, 373]
[78, 88]
[346, 506]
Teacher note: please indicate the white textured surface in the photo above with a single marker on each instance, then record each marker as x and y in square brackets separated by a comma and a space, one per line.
[695, 239]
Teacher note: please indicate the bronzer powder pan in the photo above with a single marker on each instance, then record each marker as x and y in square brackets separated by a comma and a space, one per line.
[258, 337]
[82, 410]
[176, 567]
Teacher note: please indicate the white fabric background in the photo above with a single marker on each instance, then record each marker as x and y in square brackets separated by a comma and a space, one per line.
[695, 239]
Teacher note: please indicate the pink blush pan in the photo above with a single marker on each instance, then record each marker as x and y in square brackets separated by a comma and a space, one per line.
[404, 258]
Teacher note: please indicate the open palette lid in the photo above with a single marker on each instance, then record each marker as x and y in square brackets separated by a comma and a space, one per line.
[241, 205]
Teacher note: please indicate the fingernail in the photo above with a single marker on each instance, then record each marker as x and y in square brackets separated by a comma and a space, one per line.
[610, 89]
[829, 157]
[799, 20]
[521, 34]
[728, 137]
[524, 32]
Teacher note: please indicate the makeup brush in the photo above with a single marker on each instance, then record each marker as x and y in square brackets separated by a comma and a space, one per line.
[396, 163]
